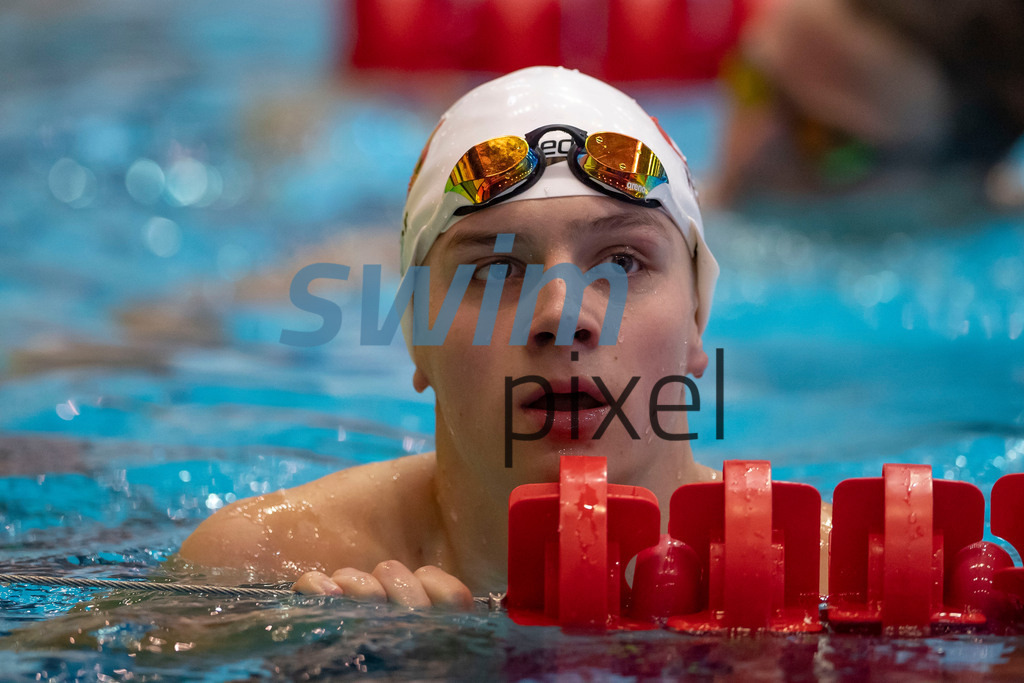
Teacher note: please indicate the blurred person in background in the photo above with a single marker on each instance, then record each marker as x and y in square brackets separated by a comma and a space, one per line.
[830, 96]
[914, 101]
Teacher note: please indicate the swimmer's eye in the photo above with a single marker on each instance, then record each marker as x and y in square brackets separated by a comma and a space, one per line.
[627, 261]
[483, 270]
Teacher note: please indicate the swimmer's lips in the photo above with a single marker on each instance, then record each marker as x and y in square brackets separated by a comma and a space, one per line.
[591, 408]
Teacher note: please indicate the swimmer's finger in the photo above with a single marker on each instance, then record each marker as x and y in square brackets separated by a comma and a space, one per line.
[443, 589]
[360, 585]
[402, 587]
[316, 583]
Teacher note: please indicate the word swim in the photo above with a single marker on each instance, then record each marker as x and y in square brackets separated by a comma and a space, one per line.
[554, 403]
[417, 281]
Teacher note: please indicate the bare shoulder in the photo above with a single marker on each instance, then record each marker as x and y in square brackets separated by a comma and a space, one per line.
[352, 518]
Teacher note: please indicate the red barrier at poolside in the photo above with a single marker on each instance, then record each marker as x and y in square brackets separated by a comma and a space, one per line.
[514, 35]
[618, 40]
[670, 39]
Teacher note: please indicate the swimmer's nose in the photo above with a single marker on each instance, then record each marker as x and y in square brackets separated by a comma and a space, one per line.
[547, 315]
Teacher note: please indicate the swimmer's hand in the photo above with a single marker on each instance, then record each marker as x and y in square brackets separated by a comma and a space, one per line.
[428, 586]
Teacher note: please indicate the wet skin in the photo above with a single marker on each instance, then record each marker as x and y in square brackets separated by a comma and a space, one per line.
[446, 512]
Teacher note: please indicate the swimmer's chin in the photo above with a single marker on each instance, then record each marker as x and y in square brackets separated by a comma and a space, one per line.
[541, 459]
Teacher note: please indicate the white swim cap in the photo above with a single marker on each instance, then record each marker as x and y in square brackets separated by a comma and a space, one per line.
[521, 102]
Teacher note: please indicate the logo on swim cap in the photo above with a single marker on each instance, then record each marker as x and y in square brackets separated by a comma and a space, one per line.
[555, 145]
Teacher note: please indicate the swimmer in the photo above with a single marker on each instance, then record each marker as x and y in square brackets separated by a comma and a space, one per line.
[877, 95]
[431, 529]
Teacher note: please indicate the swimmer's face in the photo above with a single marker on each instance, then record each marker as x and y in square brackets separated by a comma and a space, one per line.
[830, 100]
[658, 337]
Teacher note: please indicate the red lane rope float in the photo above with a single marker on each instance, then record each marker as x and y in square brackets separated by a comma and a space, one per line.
[894, 543]
[909, 547]
[585, 586]
[666, 581]
[758, 545]
[1007, 522]
[750, 559]
[569, 543]
[742, 554]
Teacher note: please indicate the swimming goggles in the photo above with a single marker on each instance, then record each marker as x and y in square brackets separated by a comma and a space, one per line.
[612, 163]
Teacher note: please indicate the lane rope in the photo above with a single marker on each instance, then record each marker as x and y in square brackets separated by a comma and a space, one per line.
[493, 601]
[129, 584]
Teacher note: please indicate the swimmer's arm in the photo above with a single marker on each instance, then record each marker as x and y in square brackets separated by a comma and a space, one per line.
[233, 538]
[327, 526]
[405, 520]
[280, 535]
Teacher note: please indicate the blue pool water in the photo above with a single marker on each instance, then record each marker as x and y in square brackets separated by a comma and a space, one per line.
[158, 155]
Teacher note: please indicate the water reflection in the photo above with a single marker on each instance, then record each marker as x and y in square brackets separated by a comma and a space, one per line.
[312, 638]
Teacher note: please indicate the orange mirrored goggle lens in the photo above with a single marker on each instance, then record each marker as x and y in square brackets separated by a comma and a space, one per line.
[490, 168]
[623, 163]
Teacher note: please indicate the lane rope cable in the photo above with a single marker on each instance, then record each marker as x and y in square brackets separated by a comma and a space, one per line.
[129, 584]
[180, 588]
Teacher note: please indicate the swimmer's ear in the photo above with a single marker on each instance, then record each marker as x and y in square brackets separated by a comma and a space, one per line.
[420, 381]
[696, 359]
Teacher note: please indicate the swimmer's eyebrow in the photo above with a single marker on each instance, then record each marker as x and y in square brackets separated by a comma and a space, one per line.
[579, 227]
[472, 239]
[630, 218]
